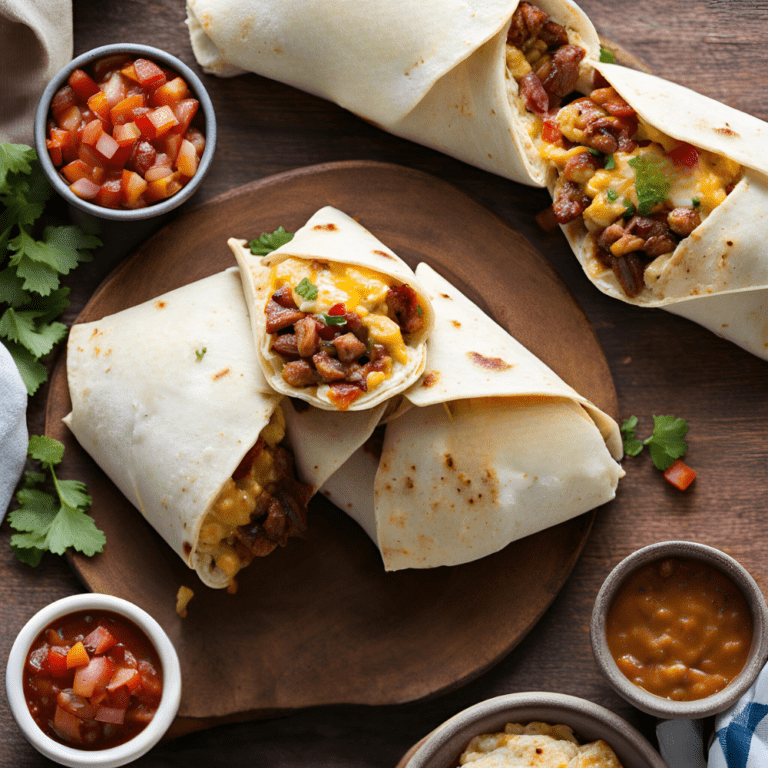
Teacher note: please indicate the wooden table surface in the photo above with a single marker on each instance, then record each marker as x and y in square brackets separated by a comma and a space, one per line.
[661, 364]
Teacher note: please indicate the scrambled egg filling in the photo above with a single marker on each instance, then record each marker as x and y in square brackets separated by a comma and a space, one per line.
[237, 502]
[361, 290]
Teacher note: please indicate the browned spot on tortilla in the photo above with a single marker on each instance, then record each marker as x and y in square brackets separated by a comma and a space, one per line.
[446, 296]
[726, 131]
[449, 461]
[430, 379]
[385, 255]
[278, 50]
[408, 482]
[160, 304]
[456, 323]
[187, 547]
[491, 363]
[326, 227]
[221, 373]
[729, 242]
[95, 331]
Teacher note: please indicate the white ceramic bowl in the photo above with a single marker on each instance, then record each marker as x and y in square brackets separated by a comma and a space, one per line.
[656, 705]
[104, 758]
[442, 747]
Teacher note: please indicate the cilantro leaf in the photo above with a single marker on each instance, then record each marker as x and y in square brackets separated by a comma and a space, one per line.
[629, 208]
[606, 56]
[266, 243]
[32, 371]
[45, 522]
[333, 319]
[632, 446]
[652, 181]
[200, 354]
[666, 443]
[306, 290]
[15, 158]
[611, 195]
[20, 327]
[610, 162]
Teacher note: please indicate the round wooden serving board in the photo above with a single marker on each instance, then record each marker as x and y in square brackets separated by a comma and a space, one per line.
[320, 622]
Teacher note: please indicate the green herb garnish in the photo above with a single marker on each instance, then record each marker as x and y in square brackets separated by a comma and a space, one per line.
[612, 195]
[665, 444]
[607, 57]
[47, 522]
[696, 202]
[306, 290]
[610, 162]
[201, 355]
[266, 242]
[32, 263]
[595, 152]
[333, 319]
[419, 309]
[652, 181]
[629, 208]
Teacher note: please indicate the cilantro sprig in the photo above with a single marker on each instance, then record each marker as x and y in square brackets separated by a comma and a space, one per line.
[268, 242]
[51, 522]
[32, 264]
[652, 181]
[306, 289]
[607, 56]
[666, 443]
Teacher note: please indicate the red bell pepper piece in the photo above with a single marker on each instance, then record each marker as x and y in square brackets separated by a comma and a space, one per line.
[680, 475]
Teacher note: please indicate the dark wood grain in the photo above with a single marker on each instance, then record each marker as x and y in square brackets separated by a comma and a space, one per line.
[321, 622]
[660, 364]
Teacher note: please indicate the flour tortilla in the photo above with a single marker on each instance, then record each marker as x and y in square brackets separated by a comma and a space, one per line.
[496, 448]
[333, 236]
[430, 71]
[727, 254]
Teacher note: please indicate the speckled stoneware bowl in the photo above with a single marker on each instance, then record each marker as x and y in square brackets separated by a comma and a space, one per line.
[164, 59]
[442, 747]
[100, 758]
[656, 705]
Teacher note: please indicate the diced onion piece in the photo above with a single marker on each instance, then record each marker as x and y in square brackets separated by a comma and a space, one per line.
[115, 89]
[100, 640]
[70, 118]
[106, 146]
[187, 159]
[92, 132]
[85, 189]
[157, 172]
[197, 138]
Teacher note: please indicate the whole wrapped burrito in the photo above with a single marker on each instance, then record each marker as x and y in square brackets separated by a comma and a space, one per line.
[169, 400]
[495, 447]
[338, 319]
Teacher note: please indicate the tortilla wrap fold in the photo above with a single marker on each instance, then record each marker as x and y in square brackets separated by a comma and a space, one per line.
[168, 397]
[727, 253]
[359, 267]
[432, 72]
[496, 448]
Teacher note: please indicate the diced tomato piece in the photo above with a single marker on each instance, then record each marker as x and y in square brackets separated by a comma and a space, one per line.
[109, 195]
[100, 640]
[99, 104]
[70, 118]
[85, 189]
[82, 84]
[126, 134]
[171, 92]
[110, 715]
[89, 155]
[337, 310]
[75, 704]
[550, 132]
[77, 656]
[105, 66]
[140, 713]
[133, 187]
[98, 697]
[92, 132]
[77, 169]
[124, 109]
[148, 73]
[151, 689]
[684, 154]
[106, 146]
[187, 160]
[62, 100]
[680, 475]
[172, 143]
[57, 662]
[197, 139]
[120, 158]
[120, 697]
[67, 726]
[185, 111]
[115, 89]
[125, 676]
[98, 672]
[145, 125]
[37, 661]
[163, 119]
[162, 188]
[54, 150]
[130, 72]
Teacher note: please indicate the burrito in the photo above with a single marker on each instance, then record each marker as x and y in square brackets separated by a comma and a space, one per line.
[168, 399]
[338, 319]
[494, 447]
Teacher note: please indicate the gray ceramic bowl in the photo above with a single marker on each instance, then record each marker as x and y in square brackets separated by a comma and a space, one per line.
[657, 705]
[164, 59]
[442, 747]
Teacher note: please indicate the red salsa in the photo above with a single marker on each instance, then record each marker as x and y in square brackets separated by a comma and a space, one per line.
[92, 680]
[122, 133]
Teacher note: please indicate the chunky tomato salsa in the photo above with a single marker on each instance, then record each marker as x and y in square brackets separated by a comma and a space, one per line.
[92, 680]
[122, 134]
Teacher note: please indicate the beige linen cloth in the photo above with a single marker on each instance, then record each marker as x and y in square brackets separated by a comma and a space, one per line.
[35, 43]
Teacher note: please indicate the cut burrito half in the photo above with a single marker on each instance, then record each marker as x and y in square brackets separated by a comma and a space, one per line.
[169, 400]
[338, 319]
[436, 73]
[496, 447]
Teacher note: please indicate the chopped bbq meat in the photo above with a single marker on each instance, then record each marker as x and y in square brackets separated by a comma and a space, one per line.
[349, 347]
[285, 345]
[299, 373]
[682, 221]
[403, 303]
[629, 271]
[581, 168]
[533, 94]
[527, 22]
[570, 202]
[329, 368]
[279, 317]
[560, 72]
[307, 337]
